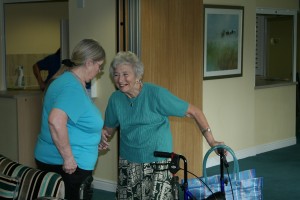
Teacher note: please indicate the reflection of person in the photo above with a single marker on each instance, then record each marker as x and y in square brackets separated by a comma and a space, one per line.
[71, 123]
[140, 111]
[51, 64]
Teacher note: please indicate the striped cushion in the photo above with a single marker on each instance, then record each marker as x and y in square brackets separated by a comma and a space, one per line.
[8, 187]
[34, 183]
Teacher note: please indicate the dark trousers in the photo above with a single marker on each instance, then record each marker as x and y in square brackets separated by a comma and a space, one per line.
[72, 181]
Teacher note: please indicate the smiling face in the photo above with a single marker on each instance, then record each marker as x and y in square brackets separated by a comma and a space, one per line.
[126, 80]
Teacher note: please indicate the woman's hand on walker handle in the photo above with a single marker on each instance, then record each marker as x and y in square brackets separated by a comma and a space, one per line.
[218, 151]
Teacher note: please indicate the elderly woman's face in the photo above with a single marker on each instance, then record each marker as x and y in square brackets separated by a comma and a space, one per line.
[125, 78]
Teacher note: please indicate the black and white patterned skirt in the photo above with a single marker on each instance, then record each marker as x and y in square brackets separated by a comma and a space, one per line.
[144, 181]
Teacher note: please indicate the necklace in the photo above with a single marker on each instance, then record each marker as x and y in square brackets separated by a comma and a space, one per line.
[81, 83]
[133, 99]
[79, 79]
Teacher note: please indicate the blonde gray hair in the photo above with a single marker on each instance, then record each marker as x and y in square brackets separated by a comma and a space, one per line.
[84, 50]
[87, 49]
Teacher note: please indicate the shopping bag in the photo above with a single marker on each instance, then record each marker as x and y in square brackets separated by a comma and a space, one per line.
[242, 185]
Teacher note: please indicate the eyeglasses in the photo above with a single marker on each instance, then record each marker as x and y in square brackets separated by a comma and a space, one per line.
[101, 66]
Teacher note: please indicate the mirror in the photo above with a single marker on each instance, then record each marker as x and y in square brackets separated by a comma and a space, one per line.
[276, 33]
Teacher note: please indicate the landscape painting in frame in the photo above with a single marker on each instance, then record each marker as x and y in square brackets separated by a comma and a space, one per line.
[223, 41]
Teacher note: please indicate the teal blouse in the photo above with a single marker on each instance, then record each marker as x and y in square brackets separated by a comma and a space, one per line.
[143, 121]
[84, 123]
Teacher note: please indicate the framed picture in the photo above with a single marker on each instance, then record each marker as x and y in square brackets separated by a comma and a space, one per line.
[223, 41]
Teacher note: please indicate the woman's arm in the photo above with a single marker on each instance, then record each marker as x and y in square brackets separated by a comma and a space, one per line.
[58, 127]
[202, 123]
[38, 76]
[106, 134]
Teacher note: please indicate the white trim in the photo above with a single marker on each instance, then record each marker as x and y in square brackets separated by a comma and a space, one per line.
[275, 11]
[253, 151]
[102, 184]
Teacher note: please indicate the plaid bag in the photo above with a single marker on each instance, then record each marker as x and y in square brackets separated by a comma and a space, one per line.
[245, 184]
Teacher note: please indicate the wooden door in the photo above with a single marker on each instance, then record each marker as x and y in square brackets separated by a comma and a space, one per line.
[172, 53]
[171, 50]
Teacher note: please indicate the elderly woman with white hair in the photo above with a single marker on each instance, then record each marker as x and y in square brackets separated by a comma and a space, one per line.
[141, 111]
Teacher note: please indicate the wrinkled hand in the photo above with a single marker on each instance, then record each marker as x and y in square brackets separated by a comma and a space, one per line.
[104, 144]
[69, 165]
[217, 151]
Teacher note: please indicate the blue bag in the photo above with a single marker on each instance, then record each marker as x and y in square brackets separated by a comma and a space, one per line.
[245, 184]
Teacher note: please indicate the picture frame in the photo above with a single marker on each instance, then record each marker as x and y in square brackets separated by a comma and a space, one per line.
[223, 41]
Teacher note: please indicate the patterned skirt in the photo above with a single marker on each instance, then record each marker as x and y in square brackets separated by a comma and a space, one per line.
[144, 181]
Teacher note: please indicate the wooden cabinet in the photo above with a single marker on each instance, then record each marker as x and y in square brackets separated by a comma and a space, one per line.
[20, 119]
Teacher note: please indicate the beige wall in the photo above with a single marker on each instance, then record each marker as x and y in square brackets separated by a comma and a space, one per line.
[97, 20]
[34, 28]
[32, 32]
[229, 103]
[2, 45]
[275, 114]
[287, 4]
[275, 108]
[235, 109]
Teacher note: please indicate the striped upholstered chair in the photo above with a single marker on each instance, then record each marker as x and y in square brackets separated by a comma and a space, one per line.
[24, 183]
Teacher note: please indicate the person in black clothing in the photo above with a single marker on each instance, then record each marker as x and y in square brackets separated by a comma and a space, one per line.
[51, 64]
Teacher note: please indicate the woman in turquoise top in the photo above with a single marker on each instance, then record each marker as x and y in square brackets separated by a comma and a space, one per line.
[71, 123]
[141, 110]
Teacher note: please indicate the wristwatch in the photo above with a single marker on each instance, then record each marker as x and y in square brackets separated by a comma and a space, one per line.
[206, 130]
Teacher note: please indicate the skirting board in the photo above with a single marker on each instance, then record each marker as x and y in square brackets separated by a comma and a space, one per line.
[253, 151]
[107, 185]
